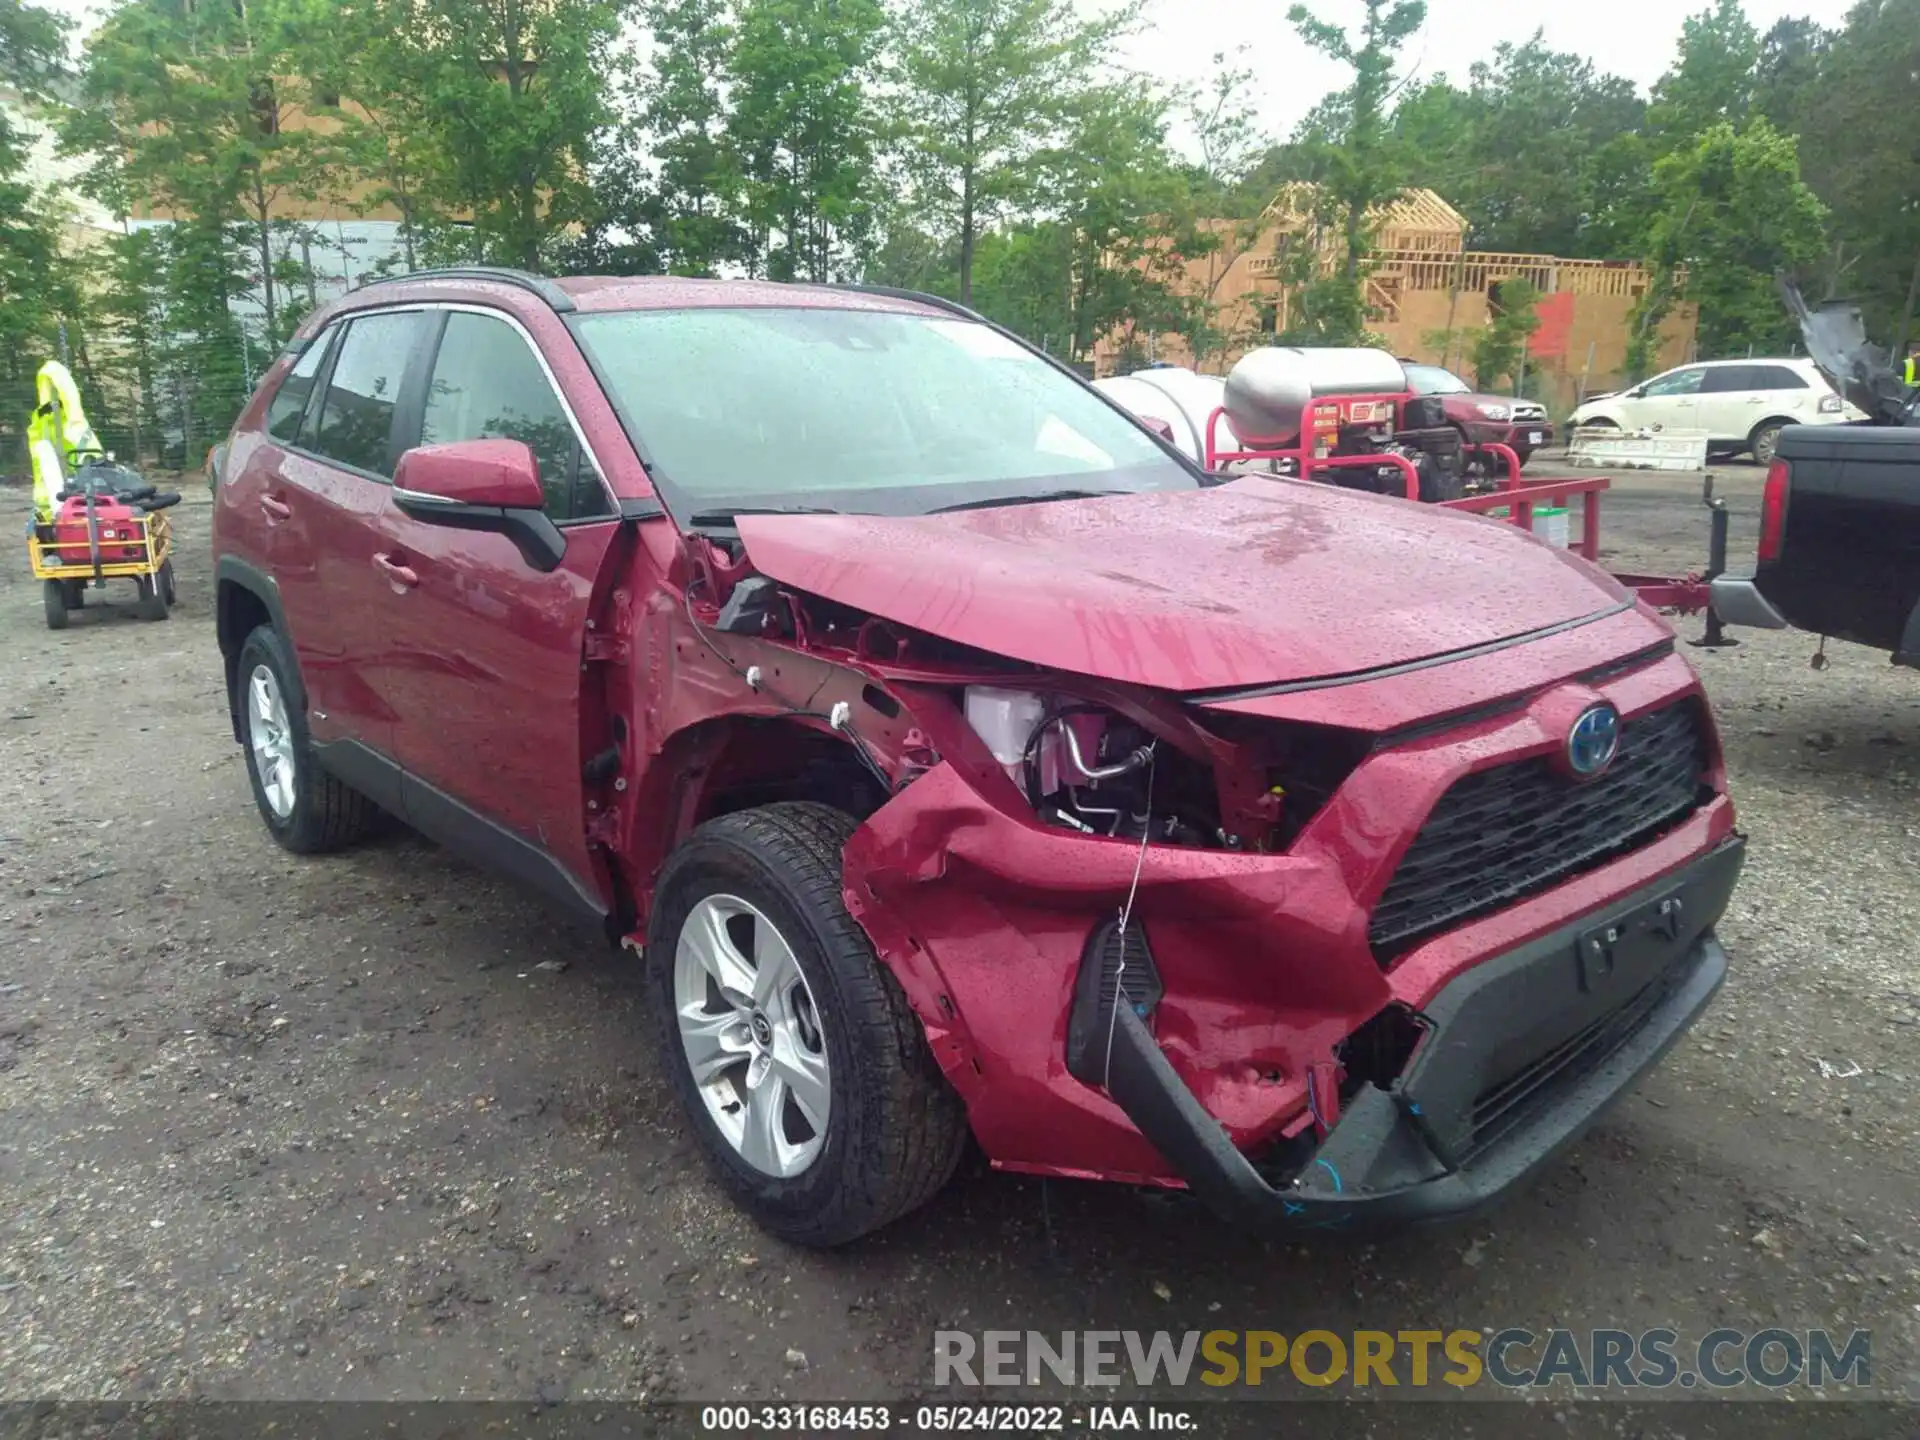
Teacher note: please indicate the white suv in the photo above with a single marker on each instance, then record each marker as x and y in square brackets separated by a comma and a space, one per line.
[1741, 404]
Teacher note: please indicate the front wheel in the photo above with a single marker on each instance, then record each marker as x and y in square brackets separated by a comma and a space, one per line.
[54, 596]
[803, 1070]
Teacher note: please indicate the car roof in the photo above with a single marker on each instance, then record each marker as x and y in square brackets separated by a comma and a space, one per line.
[589, 294]
[1798, 362]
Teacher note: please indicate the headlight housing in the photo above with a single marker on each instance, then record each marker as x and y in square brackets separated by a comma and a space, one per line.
[1497, 412]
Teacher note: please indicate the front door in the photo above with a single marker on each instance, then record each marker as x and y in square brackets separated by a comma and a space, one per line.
[485, 651]
[1667, 402]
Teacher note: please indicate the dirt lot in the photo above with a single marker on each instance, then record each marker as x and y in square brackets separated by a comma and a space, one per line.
[374, 1127]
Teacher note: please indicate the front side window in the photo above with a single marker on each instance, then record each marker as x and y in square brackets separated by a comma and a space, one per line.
[356, 418]
[858, 410]
[487, 385]
[289, 402]
[1676, 382]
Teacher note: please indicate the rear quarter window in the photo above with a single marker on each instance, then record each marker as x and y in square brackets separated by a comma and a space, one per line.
[289, 404]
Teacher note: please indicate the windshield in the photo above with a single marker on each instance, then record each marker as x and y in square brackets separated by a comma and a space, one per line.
[857, 410]
[1432, 380]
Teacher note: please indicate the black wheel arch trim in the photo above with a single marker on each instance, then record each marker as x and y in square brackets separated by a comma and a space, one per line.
[231, 570]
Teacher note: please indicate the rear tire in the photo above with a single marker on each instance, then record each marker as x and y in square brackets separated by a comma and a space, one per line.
[53, 593]
[153, 598]
[1764, 443]
[167, 588]
[307, 810]
[893, 1129]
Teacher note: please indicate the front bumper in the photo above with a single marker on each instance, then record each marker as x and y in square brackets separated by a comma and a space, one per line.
[1738, 601]
[1518, 435]
[1521, 1054]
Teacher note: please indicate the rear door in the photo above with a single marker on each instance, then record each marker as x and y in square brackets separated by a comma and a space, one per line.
[487, 651]
[1782, 391]
[259, 522]
[1730, 401]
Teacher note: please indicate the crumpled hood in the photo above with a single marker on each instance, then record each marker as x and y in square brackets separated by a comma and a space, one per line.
[1255, 582]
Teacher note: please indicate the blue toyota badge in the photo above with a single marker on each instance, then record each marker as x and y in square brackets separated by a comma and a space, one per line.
[1592, 741]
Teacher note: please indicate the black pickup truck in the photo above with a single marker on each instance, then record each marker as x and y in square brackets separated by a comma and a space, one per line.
[1839, 546]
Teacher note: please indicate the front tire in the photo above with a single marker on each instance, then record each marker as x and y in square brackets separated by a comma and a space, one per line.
[307, 810]
[803, 1070]
[54, 596]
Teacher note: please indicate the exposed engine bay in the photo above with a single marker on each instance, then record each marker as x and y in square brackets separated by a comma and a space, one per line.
[1082, 767]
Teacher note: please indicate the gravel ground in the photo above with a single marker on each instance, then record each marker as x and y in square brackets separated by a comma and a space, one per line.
[372, 1127]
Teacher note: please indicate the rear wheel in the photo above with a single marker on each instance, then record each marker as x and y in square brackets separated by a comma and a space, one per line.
[53, 593]
[307, 810]
[1764, 443]
[803, 1070]
[153, 600]
[75, 592]
[166, 583]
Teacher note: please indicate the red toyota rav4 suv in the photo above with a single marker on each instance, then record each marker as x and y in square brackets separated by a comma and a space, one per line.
[961, 759]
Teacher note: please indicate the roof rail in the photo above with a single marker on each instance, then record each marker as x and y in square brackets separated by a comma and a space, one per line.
[557, 299]
[894, 292]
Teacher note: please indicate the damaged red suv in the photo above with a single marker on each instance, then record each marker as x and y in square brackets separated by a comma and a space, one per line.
[961, 759]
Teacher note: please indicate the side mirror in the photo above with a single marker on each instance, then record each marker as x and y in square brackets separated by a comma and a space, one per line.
[1159, 425]
[491, 485]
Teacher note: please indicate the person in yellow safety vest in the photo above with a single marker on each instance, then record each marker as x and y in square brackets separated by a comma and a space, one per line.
[57, 436]
[1912, 377]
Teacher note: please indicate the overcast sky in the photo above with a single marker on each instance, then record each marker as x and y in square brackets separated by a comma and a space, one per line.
[1634, 38]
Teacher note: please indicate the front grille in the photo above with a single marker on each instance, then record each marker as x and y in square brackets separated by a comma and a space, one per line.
[1529, 412]
[1505, 833]
[1501, 1107]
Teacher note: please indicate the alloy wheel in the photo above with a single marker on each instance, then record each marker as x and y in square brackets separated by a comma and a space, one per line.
[271, 736]
[751, 1035]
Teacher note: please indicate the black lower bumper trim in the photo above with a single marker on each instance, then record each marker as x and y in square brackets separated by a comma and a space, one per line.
[1390, 1160]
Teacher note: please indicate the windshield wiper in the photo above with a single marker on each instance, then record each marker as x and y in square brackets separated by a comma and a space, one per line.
[1027, 499]
[728, 516]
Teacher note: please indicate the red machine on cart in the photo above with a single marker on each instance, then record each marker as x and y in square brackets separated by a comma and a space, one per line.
[1295, 412]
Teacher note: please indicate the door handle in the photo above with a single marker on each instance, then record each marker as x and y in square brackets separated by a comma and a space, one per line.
[276, 509]
[401, 576]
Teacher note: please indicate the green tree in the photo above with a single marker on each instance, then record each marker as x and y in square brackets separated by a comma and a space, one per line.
[1712, 80]
[38, 290]
[186, 109]
[805, 132]
[1518, 151]
[984, 87]
[1734, 213]
[1863, 132]
[697, 179]
[1500, 345]
[503, 99]
[1364, 169]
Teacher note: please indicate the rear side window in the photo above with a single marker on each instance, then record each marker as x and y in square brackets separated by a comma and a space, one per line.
[1778, 377]
[356, 419]
[488, 385]
[289, 403]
